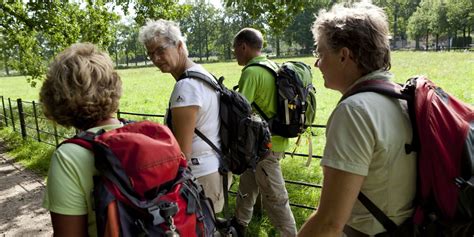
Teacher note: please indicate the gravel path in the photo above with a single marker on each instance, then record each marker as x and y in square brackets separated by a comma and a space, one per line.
[21, 194]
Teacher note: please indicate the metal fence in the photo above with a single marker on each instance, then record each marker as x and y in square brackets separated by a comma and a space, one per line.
[26, 118]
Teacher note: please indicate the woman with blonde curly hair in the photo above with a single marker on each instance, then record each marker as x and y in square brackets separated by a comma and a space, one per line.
[81, 90]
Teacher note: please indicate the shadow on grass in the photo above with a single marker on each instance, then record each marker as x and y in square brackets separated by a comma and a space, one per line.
[34, 155]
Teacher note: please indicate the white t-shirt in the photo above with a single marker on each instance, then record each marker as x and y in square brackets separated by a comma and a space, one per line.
[194, 92]
[366, 135]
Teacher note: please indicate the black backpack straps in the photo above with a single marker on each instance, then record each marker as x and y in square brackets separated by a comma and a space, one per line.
[391, 89]
[200, 76]
[388, 224]
[274, 73]
[203, 137]
[260, 111]
[224, 172]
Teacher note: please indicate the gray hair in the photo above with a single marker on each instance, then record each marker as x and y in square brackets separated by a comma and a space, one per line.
[362, 28]
[153, 31]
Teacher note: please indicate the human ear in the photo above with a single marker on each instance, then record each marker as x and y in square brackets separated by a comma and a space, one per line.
[345, 54]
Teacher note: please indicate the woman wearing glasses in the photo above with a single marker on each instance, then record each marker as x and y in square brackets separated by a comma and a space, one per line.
[193, 104]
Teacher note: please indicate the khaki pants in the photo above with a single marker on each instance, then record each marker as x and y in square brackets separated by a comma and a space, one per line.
[268, 180]
[213, 188]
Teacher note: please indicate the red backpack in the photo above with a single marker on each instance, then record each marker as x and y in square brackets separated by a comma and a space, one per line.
[145, 187]
[443, 136]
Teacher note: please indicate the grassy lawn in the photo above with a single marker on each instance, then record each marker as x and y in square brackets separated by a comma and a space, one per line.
[146, 90]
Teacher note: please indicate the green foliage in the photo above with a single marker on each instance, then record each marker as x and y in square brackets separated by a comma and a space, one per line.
[156, 9]
[198, 28]
[33, 155]
[419, 22]
[34, 31]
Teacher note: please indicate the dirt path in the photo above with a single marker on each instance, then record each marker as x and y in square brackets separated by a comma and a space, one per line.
[21, 194]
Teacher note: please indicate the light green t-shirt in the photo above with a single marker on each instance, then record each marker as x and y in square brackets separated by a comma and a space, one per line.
[366, 135]
[69, 185]
[257, 84]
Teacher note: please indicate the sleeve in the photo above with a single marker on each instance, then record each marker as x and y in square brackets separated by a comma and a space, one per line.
[65, 193]
[350, 140]
[186, 92]
[248, 85]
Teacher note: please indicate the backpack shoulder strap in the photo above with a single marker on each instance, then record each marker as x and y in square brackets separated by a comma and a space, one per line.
[83, 139]
[272, 68]
[387, 223]
[202, 77]
[267, 65]
[383, 87]
[391, 89]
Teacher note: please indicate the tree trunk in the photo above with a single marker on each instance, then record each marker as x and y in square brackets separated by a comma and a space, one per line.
[116, 55]
[395, 29]
[417, 43]
[126, 57]
[278, 46]
[136, 58]
[464, 37]
[207, 47]
[5, 60]
[437, 39]
[427, 37]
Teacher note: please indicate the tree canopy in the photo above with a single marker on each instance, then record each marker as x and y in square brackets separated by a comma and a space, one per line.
[33, 32]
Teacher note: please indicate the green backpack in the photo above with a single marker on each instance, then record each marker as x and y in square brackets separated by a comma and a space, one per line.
[296, 98]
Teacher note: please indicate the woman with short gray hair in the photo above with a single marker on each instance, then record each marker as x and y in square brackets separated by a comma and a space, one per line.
[193, 104]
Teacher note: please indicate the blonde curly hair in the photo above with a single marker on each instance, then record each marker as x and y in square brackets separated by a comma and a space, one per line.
[81, 87]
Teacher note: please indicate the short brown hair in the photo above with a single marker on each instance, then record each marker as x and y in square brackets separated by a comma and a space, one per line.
[81, 87]
[363, 29]
[250, 36]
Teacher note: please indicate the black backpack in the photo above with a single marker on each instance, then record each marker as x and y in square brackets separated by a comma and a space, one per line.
[245, 137]
[296, 98]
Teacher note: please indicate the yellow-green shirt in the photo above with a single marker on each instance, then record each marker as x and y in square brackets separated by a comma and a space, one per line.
[69, 185]
[258, 86]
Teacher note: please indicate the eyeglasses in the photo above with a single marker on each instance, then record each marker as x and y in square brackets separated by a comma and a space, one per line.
[315, 53]
[159, 51]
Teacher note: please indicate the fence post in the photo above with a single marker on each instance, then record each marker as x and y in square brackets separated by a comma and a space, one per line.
[21, 116]
[38, 137]
[11, 114]
[55, 134]
[4, 112]
[3, 115]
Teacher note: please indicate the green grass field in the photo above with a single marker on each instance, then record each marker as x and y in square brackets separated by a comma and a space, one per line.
[146, 90]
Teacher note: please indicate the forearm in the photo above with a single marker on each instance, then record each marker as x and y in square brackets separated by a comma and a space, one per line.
[321, 227]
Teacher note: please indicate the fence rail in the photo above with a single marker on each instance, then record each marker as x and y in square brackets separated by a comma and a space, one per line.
[37, 127]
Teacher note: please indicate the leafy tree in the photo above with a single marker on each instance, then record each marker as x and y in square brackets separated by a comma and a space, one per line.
[419, 23]
[155, 9]
[201, 28]
[399, 12]
[460, 17]
[439, 24]
[299, 31]
[35, 31]
[278, 15]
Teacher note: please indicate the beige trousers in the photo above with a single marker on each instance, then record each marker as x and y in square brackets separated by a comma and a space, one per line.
[268, 181]
[213, 188]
